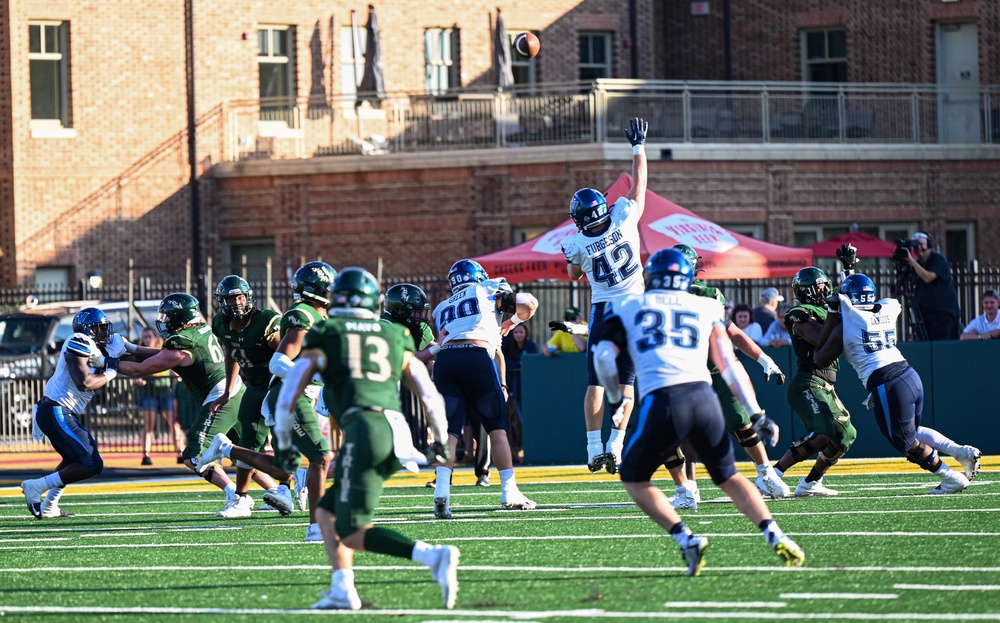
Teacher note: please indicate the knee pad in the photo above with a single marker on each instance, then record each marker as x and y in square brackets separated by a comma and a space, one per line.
[207, 474]
[915, 454]
[832, 453]
[747, 437]
[674, 462]
[803, 448]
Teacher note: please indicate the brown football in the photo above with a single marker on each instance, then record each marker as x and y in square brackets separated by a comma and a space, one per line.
[527, 45]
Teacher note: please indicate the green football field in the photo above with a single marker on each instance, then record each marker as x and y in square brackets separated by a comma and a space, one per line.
[155, 551]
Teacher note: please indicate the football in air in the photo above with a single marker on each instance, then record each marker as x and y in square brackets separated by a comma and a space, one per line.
[526, 44]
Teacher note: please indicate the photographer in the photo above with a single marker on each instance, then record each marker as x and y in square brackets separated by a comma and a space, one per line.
[934, 290]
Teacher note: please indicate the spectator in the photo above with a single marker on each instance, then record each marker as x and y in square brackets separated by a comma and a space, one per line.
[987, 325]
[743, 318]
[155, 396]
[777, 335]
[767, 312]
[935, 292]
[564, 341]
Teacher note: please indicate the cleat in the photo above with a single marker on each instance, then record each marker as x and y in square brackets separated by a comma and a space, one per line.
[951, 482]
[444, 570]
[790, 552]
[313, 534]
[694, 555]
[613, 458]
[483, 481]
[685, 499]
[516, 499]
[968, 457]
[595, 457]
[33, 490]
[237, 507]
[806, 489]
[339, 599]
[301, 490]
[432, 484]
[281, 499]
[442, 509]
[146, 461]
[213, 453]
[771, 486]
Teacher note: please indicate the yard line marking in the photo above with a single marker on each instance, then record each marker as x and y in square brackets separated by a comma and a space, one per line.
[725, 604]
[942, 587]
[838, 596]
[34, 539]
[117, 534]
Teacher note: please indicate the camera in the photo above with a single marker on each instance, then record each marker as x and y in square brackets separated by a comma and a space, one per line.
[902, 252]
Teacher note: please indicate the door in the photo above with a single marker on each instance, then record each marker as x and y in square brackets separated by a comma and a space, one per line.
[958, 82]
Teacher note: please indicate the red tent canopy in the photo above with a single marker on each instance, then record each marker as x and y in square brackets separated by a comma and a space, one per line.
[868, 246]
[725, 254]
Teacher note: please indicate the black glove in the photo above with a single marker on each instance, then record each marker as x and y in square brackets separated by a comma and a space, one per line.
[848, 256]
[833, 303]
[287, 460]
[636, 134]
[437, 453]
[558, 325]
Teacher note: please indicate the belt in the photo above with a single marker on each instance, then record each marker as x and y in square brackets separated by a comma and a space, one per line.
[461, 346]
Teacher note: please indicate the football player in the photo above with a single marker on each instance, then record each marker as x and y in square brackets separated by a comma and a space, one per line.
[466, 371]
[737, 419]
[669, 333]
[606, 249]
[193, 352]
[864, 330]
[810, 392]
[362, 361]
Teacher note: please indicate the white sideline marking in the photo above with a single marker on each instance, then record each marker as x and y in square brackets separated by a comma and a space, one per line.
[725, 604]
[521, 615]
[838, 596]
[943, 587]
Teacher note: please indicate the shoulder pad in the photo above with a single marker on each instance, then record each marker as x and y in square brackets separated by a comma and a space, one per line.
[80, 344]
[799, 314]
[296, 318]
[178, 342]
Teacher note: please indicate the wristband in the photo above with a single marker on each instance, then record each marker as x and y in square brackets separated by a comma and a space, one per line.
[516, 320]
[638, 149]
[110, 374]
[434, 349]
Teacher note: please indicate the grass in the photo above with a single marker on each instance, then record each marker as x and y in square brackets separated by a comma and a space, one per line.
[156, 552]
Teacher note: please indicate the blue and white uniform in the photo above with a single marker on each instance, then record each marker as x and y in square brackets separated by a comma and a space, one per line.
[466, 374]
[56, 413]
[610, 258]
[666, 334]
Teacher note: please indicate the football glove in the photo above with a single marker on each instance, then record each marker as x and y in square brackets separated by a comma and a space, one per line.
[848, 256]
[770, 368]
[636, 132]
[765, 428]
[569, 327]
[287, 460]
[618, 411]
[283, 421]
[118, 346]
[437, 453]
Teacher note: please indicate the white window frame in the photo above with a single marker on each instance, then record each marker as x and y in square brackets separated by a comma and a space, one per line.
[607, 66]
[442, 64]
[54, 128]
[271, 127]
[807, 63]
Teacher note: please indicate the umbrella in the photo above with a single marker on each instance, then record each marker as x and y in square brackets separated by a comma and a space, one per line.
[868, 246]
[501, 52]
[372, 85]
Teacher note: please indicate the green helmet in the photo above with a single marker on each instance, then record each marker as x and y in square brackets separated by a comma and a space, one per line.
[691, 255]
[354, 289]
[407, 304]
[176, 311]
[811, 286]
[312, 280]
[232, 287]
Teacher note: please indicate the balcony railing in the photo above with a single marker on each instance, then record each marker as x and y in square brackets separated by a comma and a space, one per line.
[678, 112]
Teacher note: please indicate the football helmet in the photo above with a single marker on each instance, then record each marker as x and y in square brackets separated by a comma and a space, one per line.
[354, 288]
[228, 293]
[588, 207]
[811, 286]
[668, 269]
[176, 311]
[94, 323]
[691, 255]
[465, 272]
[861, 290]
[312, 281]
[407, 304]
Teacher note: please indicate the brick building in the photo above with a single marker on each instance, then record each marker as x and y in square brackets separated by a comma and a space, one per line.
[94, 120]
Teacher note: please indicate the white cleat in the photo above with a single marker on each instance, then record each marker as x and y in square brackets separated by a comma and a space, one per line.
[339, 599]
[33, 490]
[806, 489]
[968, 457]
[444, 570]
[694, 555]
[280, 498]
[685, 499]
[237, 507]
[596, 457]
[516, 499]
[213, 453]
[771, 486]
[951, 482]
[301, 490]
[313, 534]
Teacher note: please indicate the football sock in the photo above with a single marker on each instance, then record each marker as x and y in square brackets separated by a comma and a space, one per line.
[226, 450]
[681, 533]
[944, 469]
[423, 553]
[442, 488]
[230, 490]
[54, 481]
[385, 541]
[342, 579]
[772, 533]
[616, 437]
[762, 468]
[779, 472]
[52, 497]
[507, 481]
[593, 436]
[937, 441]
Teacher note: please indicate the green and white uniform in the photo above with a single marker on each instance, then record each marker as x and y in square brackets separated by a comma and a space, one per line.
[251, 349]
[205, 378]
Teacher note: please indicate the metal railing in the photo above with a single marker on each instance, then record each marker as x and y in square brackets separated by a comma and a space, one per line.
[585, 112]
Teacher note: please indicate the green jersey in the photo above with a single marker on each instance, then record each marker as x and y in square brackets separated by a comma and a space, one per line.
[250, 347]
[208, 367]
[698, 288]
[299, 316]
[364, 362]
[804, 312]
[421, 341]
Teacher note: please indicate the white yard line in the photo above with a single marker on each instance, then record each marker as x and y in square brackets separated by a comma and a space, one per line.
[945, 587]
[838, 596]
[724, 604]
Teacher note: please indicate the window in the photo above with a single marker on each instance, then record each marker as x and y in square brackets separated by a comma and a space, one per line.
[810, 233]
[442, 55]
[48, 62]
[352, 62]
[256, 252]
[277, 85]
[960, 243]
[824, 55]
[523, 68]
[750, 230]
[595, 55]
